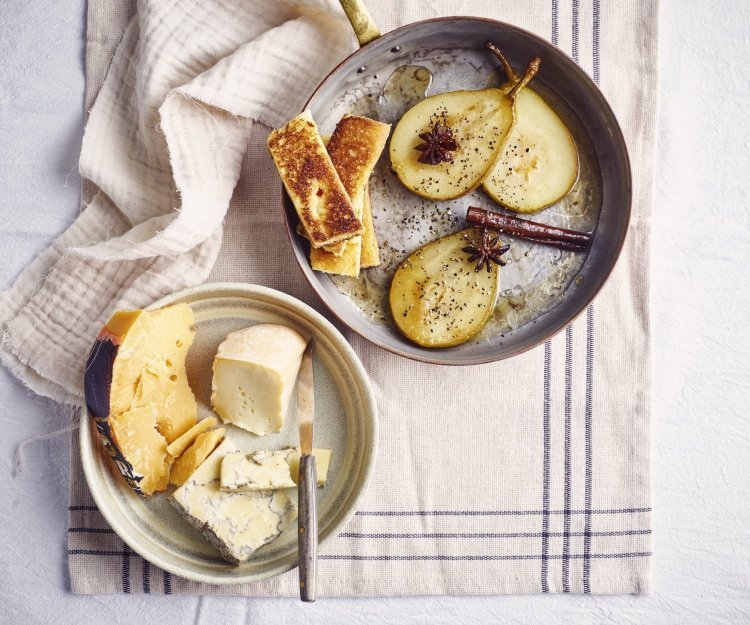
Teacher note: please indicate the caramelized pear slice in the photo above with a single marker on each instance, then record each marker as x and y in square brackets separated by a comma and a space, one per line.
[539, 161]
[479, 122]
[437, 298]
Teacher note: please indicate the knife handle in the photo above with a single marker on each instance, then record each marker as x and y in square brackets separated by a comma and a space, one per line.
[307, 537]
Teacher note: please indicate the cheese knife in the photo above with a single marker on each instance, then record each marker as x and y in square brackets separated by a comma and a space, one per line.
[307, 521]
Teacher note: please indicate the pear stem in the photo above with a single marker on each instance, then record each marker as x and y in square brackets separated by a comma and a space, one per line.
[530, 72]
[512, 76]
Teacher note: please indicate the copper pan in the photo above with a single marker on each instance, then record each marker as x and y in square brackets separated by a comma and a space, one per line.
[462, 39]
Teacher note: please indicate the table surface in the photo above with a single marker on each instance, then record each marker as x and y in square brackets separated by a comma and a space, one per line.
[701, 432]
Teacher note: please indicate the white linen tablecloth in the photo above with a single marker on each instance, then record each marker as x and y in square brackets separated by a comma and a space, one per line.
[701, 573]
[565, 506]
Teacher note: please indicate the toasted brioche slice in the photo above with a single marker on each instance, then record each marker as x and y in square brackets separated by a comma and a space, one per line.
[370, 252]
[345, 264]
[321, 201]
[355, 147]
[335, 248]
[370, 256]
[348, 264]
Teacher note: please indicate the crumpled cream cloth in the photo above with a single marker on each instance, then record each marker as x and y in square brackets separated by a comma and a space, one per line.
[164, 144]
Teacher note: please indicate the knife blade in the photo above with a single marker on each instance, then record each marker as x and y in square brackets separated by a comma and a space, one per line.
[306, 400]
[307, 519]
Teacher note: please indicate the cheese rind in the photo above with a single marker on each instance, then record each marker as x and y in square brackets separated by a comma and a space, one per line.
[253, 376]
[235, 523]
[178, 447]
[194, 456]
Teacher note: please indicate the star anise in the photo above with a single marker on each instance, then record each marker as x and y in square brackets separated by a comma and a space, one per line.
[486, 252]
[438, 145]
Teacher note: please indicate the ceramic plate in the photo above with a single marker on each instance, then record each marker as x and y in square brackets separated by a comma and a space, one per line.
[345, 422]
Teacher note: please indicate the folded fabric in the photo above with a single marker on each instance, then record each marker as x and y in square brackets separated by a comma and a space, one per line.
[163, 144]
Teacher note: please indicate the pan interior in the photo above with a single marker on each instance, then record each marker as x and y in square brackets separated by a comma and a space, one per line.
[542, 289]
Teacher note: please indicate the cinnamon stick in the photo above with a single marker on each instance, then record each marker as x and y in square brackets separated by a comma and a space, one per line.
[530, 230]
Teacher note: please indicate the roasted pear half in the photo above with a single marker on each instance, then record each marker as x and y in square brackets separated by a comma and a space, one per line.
[539, 161]
[444, 146]
[438, 298]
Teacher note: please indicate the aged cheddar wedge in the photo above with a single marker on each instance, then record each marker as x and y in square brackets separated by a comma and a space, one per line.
[236, 523]
[138, 361]
[254, 373]
[268, 470]
[355, 148]
[178, 447]
[194, 456]
[139, 451]
[323, 206]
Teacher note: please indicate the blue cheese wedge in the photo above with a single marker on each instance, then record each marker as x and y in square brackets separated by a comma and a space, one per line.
[268, 470]
[322, 461]
[260, 470]
[253, 376]
[235, 523]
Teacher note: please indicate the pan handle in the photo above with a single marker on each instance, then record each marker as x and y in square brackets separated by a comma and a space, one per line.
[361, 21]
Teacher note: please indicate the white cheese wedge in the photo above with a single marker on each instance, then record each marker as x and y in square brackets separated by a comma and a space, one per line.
[236, 523]
[254, 374]
[268, 470]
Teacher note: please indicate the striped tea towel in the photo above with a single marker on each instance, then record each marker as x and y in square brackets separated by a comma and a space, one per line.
[529, 475]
